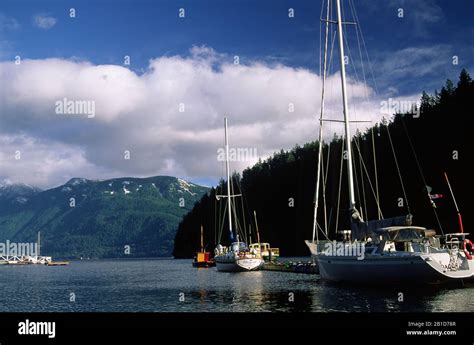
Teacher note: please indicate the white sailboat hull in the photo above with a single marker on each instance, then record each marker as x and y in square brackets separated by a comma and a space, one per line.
[316, 248]
[238, 265]
[381, 269]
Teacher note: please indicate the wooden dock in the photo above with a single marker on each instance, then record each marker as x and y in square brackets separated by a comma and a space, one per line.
[292, 267]
[58, 263]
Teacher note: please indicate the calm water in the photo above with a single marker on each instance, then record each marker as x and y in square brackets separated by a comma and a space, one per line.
[156, 285]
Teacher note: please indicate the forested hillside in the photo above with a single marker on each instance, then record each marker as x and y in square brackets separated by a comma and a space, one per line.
[85, 218]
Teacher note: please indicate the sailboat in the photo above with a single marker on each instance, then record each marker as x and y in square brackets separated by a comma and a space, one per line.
[390, 250]
[238, 257]
[203, 258]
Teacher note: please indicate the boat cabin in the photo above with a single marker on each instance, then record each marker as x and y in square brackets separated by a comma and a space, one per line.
[264, 249]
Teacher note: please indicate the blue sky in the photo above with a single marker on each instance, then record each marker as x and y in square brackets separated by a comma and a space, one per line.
[175, 59]
[106, 30]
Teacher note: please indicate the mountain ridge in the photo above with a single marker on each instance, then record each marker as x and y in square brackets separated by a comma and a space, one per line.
[99, 218]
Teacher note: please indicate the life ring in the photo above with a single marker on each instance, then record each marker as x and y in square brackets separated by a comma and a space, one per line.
[466, 251]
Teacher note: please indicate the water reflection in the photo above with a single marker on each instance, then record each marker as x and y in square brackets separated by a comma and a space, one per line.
[156, 286]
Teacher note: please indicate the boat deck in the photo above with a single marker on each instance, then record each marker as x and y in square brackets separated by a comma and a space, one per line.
[292, 267]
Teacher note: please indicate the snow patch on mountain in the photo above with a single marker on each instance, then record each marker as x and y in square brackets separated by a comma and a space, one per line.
[184, 185]
[76, 181]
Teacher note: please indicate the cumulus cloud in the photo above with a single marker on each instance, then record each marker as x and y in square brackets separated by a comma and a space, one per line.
[40, 162]
[44, 21]
[169, 118]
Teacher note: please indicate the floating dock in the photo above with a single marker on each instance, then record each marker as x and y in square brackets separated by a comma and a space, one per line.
[292, 267]
[58, 263]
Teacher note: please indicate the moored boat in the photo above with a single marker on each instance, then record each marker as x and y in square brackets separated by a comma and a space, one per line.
[203, 258]
[390, 250]
[238, 257]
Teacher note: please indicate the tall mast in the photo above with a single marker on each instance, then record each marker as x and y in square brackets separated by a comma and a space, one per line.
[39, 244]
[229, 203]
[346, 109]
[256, 226]
[320, 149]
[202, 240]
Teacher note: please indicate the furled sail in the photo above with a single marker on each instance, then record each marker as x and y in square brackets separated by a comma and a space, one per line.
[362, 230]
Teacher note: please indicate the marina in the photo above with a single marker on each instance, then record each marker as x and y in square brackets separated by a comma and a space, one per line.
[27, 254]
[273, 171]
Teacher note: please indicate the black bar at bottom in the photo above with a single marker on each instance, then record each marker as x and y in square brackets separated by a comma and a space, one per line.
[243, 328]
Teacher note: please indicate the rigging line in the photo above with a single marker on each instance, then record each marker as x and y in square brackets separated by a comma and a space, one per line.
[238, 225]
[327, 164]
[243, 212]
[246, 210]
[348, 49]
[330, 124]
[370, 184]
[324, 189]
[325, 177]
[377, 198]
[223, 218]
[221, 221]
[320, 138]
[222, 215]
[331, 60]
[362, 179]
[322, 141]
[331, 55]
[420, 170]
[340, 186]
[322, 231]
[377, 93]
[357, 182]
[398, 168]
[215, 219]
[238, 228]
[351, 5]
[239, 184]
[361, 158]
[325, 173]
[324, 195]
[221, 192]
[358, 26]
[232, 205]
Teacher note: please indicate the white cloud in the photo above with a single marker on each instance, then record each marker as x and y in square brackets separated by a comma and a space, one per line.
[44, 21]
[415, 62]
[8, 23]
[140, 113]
[41, 162]
[414, 69]
[420, 13]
